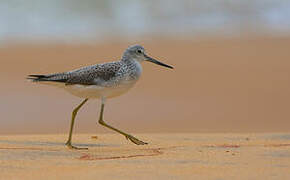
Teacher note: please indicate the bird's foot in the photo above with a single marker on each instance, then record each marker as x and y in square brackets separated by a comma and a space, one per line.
[135, 140]
[70, 146]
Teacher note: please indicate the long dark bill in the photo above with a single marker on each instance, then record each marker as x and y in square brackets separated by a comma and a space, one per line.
[150, 59]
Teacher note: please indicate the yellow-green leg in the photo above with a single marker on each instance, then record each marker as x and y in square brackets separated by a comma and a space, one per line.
[74, 113]
[128, 136]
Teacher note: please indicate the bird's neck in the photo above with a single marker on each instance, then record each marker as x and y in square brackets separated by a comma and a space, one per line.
[130, 62]
[134, 67]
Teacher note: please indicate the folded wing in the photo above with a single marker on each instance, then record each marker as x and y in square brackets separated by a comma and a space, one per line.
[91, 75]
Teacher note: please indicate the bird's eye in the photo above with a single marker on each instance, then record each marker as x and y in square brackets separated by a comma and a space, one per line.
[139, 51]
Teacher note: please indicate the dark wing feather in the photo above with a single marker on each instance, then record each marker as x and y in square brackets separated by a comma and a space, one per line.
[60, 77]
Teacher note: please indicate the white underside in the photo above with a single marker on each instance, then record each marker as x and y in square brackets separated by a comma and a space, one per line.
[93, 91]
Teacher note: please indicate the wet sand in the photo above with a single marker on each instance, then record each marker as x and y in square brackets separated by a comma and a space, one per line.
[168, 156]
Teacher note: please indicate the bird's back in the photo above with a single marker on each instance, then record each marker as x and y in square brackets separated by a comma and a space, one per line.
[99, 74]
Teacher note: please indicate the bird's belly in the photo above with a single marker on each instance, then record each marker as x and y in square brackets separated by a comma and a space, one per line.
[93, 91]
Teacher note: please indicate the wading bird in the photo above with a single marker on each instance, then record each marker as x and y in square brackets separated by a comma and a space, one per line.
[101, 81]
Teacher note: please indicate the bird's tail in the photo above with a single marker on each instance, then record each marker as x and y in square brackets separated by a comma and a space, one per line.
[37, 78]
[51, 77]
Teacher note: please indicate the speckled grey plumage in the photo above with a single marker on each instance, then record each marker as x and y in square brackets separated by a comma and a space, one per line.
[107, 74]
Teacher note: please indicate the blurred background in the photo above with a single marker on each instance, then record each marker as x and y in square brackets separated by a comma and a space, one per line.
[231, 59]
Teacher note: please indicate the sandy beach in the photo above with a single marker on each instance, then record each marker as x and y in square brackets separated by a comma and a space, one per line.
[218, 85]
[222, 113]
[168, 156]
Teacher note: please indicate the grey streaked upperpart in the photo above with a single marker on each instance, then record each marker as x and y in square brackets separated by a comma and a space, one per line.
[106, 74]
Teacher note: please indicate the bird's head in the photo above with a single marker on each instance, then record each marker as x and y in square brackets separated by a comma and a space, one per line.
[137, 53]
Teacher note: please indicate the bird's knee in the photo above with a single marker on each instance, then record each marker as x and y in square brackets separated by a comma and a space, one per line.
[74, 112]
